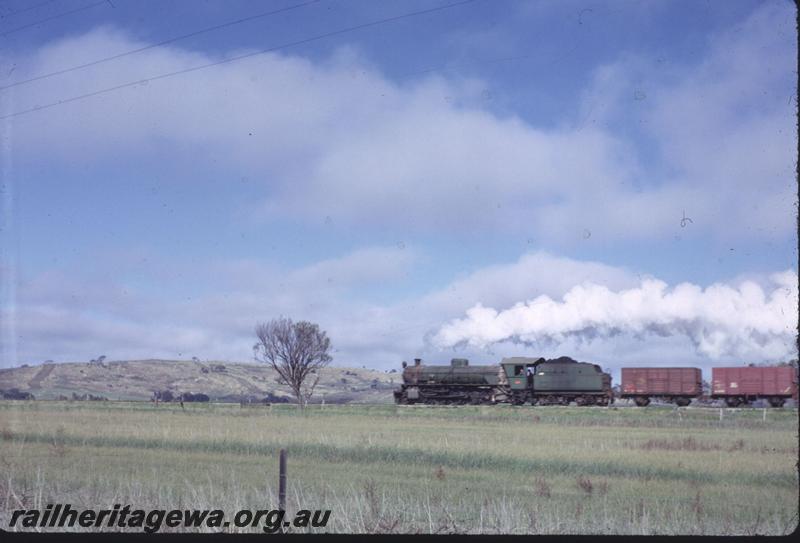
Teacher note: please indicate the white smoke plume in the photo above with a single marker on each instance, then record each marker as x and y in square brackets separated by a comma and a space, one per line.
[721, 320]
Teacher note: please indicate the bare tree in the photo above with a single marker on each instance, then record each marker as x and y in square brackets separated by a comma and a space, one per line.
[296, 350]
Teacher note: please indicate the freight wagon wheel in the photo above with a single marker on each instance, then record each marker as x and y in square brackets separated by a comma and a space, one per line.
[776, 402]
[683, 402]
[641, 401]
[732, 402]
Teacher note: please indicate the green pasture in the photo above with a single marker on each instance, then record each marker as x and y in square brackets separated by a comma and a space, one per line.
[415, 469]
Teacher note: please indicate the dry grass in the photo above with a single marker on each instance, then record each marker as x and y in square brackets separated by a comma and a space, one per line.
[685, 444]
[542, 489]
[585, 484]
[416, 470]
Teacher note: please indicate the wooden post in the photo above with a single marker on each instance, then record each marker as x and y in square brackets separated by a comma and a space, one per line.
[282, 486]
[282, 482]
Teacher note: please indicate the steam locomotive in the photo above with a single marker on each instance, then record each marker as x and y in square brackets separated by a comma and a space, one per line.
[516, 380]
[561, 381]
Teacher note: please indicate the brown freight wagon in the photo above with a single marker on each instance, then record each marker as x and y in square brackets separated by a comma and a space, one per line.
[740, 386]
[674, 385]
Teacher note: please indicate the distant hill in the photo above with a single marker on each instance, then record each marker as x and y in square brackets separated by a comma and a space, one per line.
[221, 381]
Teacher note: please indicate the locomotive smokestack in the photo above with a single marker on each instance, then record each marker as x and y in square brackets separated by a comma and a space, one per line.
[417, 361]
[405, 364]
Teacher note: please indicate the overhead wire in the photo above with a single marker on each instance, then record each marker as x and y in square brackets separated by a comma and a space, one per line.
[235, 58]
[29, 8]
[159, 44]
[64, 14]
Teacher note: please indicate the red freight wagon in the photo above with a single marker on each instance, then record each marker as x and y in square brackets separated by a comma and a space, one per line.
[676, 385]
[742, 385]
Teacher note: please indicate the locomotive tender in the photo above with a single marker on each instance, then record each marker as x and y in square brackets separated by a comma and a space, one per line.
[516, 380]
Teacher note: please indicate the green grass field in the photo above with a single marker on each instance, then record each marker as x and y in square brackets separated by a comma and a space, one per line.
[470, 469]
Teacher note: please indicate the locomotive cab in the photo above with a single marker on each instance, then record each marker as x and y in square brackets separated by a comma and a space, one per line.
[520, 372]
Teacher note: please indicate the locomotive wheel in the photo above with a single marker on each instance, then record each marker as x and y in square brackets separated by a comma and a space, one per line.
[776, 402]
[683, 402]
[641, 401]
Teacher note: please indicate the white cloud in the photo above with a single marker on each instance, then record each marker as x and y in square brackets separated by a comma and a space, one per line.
[64, 318]
[337, 138]
[359, 268]
[533, 274]
[724, 128]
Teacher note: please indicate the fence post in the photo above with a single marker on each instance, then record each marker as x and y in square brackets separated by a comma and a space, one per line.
[282, 482]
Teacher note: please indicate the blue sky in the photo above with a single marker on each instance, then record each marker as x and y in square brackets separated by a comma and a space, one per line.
[385, 181]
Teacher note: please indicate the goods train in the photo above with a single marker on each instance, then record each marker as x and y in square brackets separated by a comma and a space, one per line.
[560, 381]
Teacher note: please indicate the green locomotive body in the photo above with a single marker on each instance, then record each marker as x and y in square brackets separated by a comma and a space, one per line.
[515, 380]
